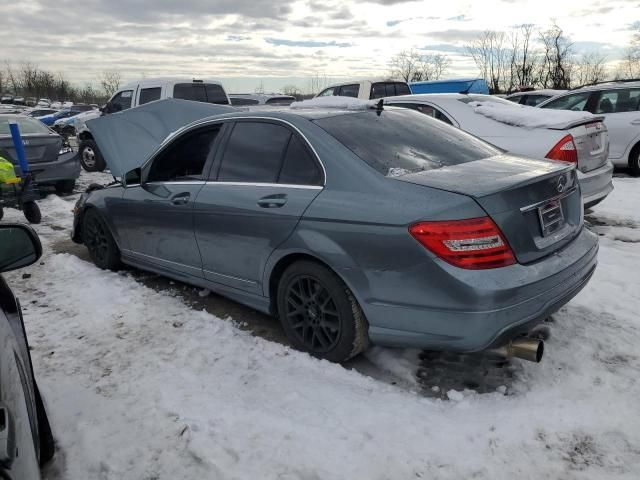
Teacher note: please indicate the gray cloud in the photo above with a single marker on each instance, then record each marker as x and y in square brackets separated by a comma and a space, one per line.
[455, 35]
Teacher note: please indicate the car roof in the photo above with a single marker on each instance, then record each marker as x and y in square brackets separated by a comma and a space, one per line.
[542, 91]
[607, 86]
[363, 80]
[154, 81]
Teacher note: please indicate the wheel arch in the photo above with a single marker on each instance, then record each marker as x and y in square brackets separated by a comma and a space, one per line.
[77, 231]
[633, 150]
[85, 135]
[285, 261]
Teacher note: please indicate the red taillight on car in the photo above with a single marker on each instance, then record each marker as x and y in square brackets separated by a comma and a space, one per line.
[474, 243]
[565, 150]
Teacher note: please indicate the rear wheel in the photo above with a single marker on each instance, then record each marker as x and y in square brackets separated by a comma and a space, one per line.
[319, 313]
[65, 186]
[99, 241]
[90, 157]
[634, 161]
[31, 212]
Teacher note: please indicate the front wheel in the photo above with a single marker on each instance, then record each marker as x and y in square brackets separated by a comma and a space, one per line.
[90, 157]
[319, 313]
[99, 241]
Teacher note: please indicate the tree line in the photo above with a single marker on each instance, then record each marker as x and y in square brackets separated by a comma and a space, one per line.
[524, 56]
[28, 80]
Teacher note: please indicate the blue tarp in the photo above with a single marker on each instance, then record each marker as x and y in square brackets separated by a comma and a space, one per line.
[474, 85]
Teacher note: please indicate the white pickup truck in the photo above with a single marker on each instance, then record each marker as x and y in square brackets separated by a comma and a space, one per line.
[138, 93]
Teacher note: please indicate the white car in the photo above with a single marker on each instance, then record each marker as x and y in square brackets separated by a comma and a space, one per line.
[579, 138]
[534, 97]
[619, 104]
[367, 89]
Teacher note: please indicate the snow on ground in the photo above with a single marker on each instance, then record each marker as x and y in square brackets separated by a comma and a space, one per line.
[141, 386]
[526, 116]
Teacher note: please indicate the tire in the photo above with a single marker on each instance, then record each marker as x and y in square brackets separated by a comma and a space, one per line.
[90, 157]
[634, 162]
[99, 241]
[31, 212]
[65, 186]
[319, 313]
[1, 213]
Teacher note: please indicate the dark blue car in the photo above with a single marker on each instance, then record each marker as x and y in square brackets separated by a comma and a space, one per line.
[50, 119]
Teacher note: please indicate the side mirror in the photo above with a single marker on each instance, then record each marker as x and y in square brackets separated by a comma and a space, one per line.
[133, 177]
[19, 247]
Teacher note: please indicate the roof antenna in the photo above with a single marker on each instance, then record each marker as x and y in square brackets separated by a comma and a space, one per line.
[466, 90]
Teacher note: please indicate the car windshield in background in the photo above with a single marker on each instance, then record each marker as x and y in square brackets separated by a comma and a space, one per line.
[25, 124]
[398, 142]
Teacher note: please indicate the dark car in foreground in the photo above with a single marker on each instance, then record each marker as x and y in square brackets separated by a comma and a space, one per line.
[352, 226]
[26, 441]
[50, 158]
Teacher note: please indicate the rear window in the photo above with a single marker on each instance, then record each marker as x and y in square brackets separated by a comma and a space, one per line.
[349, 90]
[280, 101]
[243, 101]
[401, 141]
[26, 125]
[200, 92]
[388, 89]
[576, 102]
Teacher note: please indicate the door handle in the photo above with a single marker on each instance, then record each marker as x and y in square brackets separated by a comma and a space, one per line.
[181, 198]
[635, 122]
[273, 201]
[7, 440]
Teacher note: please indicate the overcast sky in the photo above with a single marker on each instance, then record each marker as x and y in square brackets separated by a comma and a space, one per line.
[245, 41]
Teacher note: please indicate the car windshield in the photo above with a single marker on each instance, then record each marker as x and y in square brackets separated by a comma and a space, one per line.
[25, 124]
[401, 141]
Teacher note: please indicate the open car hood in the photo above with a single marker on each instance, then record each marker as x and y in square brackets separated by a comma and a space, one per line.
[127, 139]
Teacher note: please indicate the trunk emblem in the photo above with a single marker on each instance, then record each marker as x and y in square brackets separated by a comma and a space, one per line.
[562, 182]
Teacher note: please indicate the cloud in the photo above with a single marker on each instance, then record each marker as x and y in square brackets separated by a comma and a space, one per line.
[455, 35]
[443, 47]
[305, 43]
[459, 18]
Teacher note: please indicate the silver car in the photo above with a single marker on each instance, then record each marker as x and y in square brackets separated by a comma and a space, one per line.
[619, 103]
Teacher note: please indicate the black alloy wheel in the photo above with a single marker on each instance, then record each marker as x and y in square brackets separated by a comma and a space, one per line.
[98, 240]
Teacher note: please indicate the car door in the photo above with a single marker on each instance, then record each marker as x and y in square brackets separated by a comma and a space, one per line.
[622, 118]
[157, 215]
[17, 449]
[262, 182]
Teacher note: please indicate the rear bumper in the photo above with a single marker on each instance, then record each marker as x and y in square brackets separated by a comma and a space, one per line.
[596, 184]
[486, 308]
[65, 167]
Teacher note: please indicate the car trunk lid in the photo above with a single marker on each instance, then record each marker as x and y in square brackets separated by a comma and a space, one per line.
[536, 203]
[37, 148]
[592, 143]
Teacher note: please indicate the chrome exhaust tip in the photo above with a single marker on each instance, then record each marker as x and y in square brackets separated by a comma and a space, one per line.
[530, 349]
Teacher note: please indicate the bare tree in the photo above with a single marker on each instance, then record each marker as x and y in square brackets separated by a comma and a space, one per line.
[524, 59]
[292, 90]
[589, 68]
[492, 56]
[259, 88]
[557, 59]
[411, 66]
[629, 66]
[110, 81]
[317, 82]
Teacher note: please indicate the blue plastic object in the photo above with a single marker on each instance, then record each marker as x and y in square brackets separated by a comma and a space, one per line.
[468, 85]
[19, 146]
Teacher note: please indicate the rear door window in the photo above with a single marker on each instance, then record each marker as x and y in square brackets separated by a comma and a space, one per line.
[576, 102]
[399, 141]
[349, 90]
[533, 100]
[299, 167]
[618, 101]
[149, 95]
[254, 153]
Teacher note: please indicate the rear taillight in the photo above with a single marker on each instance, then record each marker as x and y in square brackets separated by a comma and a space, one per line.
[565, 150]
[474, 243]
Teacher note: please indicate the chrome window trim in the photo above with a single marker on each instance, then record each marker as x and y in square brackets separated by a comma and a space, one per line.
[209, 121]
[274, 185]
